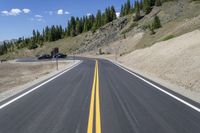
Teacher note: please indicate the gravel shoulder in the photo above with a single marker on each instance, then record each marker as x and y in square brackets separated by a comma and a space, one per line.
[174, 63]
[16, 77]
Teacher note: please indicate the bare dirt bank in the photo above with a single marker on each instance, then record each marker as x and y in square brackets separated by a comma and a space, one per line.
[176, 61]
[15, 77]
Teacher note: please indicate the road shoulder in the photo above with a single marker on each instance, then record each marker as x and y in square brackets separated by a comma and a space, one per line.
[18, 89]
[195, 96]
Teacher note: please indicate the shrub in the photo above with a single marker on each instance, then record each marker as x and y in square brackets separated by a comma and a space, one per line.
[168, 37]
[156, 23]
[32, 46]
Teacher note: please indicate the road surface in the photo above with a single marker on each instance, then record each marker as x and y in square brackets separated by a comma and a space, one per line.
[99, 97]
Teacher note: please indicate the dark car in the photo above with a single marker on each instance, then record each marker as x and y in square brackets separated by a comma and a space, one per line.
[44, 56]
[60, 55]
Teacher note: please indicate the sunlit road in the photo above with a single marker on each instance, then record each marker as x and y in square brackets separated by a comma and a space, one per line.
[98, 96]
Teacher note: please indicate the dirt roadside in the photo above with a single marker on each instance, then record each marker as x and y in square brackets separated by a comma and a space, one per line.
[174, 63]
[16, 77]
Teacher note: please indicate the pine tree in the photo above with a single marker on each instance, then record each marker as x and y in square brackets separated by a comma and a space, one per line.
[122, 11]
[128, 7]
[151, 28]
[98, 22]
[78, 26]
[47, 34]
[72, 26]
[156, 22]
[137, 10]
[86, 24]
[34, 36]
[106, 17]
[113, 13]
[146, 6]
[152, 2]
[158, 3]
[91, 22]
[68, 29]
[37, 36]
[141, 4]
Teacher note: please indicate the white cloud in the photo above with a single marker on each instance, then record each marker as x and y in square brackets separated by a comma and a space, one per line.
[15, 12]
[67, 13]
[117, 14]
[38, 16]
[6, 13]
[89, 14]
[25, 10]
[60, 12]
[12, 12]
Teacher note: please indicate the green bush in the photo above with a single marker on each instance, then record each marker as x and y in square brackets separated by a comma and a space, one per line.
[32, 46]
[156, 23]
[168, 37]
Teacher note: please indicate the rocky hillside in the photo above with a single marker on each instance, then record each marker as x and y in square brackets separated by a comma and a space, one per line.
[177, 18]
[125, 35]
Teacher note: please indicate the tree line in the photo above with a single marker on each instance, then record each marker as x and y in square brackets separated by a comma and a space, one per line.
[139, 5]
[75, 27]
[78, 25]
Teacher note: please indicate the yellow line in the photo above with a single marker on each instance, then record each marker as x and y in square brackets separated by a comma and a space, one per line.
[95, 95]
[98, 116]
[91, 114]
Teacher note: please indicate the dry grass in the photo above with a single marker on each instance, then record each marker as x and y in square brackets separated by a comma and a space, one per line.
[175, 60]
[17, 74]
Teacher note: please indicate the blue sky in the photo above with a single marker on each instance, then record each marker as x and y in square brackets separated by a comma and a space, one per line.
[19, 17]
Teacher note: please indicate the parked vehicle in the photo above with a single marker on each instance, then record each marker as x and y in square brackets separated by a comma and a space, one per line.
[44, 56]
[60, 55]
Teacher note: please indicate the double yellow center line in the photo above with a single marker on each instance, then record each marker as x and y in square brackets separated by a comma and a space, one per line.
[95, 102]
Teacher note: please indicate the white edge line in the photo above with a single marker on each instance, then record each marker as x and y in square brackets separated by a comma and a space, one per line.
[20, 96]
[158, 88]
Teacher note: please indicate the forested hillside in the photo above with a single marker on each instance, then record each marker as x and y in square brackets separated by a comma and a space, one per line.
[78, 25]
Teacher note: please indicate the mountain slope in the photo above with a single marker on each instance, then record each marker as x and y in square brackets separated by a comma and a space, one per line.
[177, 17]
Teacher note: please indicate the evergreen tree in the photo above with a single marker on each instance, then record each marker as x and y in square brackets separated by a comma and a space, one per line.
[146, 6]
[34, 37]
[158, 3]
[68, 29]
[156, 22]
[128, 7]
[113, 13]
[98, 21]
[91, 21]
[47, 34]
[78, 26]
[152, 2]
[122, 11]
[141, 4]
[72, 26]
[137, 10]
[107, 16]
[86, 24]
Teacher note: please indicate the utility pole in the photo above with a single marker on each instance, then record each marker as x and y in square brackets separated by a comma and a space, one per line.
[56, 62]
[115, 54]
[73, 57]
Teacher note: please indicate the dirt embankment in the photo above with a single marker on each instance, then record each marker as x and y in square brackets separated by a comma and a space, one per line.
[176, 61]
[16, 74]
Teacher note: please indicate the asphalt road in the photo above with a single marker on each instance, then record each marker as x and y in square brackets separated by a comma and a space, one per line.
[113, 100]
